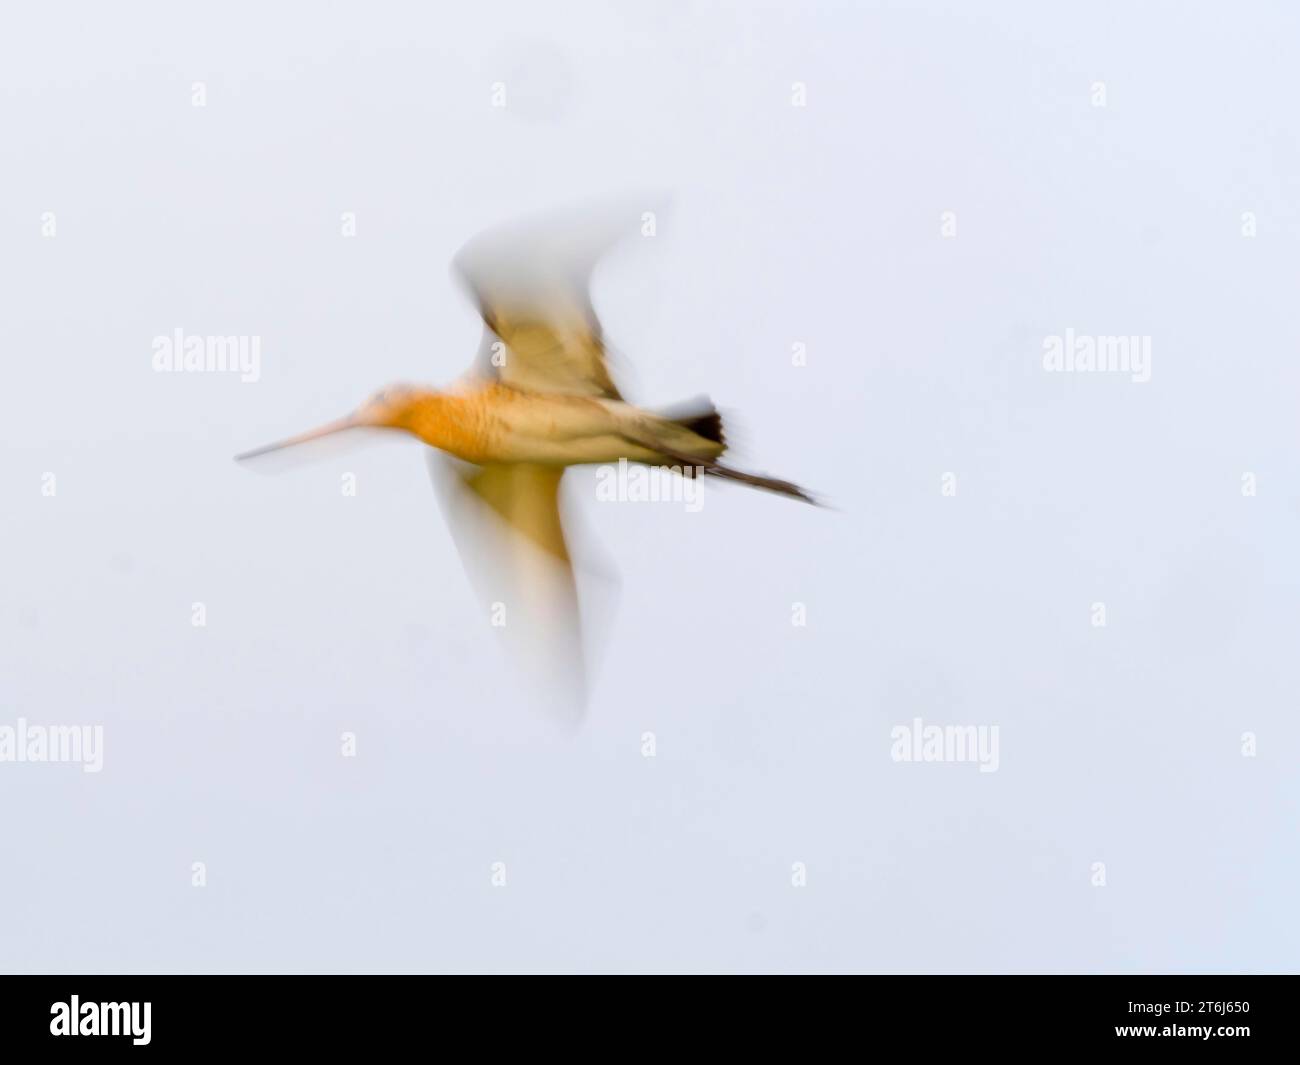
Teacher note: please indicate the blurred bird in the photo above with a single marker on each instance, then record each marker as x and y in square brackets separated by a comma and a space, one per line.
[538, 399]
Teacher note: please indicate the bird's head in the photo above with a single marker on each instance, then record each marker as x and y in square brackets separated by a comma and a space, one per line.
[389, 408]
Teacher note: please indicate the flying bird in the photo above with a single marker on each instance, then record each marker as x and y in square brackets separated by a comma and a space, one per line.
[540, 397]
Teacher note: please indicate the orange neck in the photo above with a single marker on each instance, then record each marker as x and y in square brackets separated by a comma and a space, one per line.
[446, 421]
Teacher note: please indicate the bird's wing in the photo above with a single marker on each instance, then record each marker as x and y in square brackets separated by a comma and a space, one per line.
[531, 282]
[527, 499]
[508, 526]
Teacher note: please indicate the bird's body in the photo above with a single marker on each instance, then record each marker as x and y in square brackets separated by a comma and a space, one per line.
[539, 399]
[486, 422]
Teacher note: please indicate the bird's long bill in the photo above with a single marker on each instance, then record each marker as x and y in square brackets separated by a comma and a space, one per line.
[350, 422]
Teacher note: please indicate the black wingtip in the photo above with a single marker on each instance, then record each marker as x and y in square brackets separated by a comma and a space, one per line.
[708, 425]
[701, 417]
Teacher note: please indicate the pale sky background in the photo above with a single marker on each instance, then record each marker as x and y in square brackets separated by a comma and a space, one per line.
[817, 225]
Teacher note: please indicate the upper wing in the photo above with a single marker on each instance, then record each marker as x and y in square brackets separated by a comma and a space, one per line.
[531, 283]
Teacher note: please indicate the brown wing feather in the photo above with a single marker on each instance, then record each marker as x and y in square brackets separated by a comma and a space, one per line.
[527, 499]
[531, 284]
[500, 515]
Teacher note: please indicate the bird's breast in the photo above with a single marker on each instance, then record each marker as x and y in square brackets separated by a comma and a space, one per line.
[502, 424]
[460, 425]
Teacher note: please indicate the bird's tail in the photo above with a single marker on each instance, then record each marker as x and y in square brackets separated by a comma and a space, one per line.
[758, 480]
[703, 421]
[700, 417]
[703, 444]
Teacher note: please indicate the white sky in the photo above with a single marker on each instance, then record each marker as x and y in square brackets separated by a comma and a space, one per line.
[817, 225]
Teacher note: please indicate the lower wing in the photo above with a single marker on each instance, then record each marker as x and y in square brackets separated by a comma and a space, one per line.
[507, 522]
